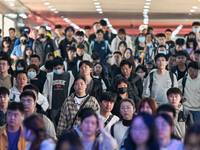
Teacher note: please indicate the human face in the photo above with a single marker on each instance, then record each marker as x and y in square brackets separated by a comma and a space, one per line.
[14, 118]
[6, 44]
[192, 36]
[58, 31]
[70, 54]
[122, 36]
[161, 49]
[80, 86]
[127, 54]
[98, 69]
[193, 142]
[89, 126]
[122, 48]
[168, 35]
[104, 28]
[127, 110]
[4, 66]
[96, 27]
[29, 104]
[35, 34]
[42, 31]
[181, 60]
[117, 59]
[148, 38]
[163, 128]
[161, 63]
[179, 47]
[85, 70]
[29, 52]
[11, 34]
[126, 70]
[69, 33]
[4, 101]
[79, 39]
[139, 132]
[65, 146]
[106, 106]
[23, 39]
[146, 108]
[174, 99]
[172, 61]
[36, 95]
[35, 61]
[21, 79]
[121, 85]
[80, 52]
[99, 36]
[87, 32]
[197, 58]
[162, 41]
[193, 72]
[58, 67]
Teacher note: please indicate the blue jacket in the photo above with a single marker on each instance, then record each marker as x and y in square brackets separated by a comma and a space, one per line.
[17, 51]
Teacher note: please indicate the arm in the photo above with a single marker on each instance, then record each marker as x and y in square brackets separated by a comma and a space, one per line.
[42, 100]
[146, 91]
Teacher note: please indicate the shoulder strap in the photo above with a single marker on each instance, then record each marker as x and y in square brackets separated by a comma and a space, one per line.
[171, 74]
[135, 79]
[86, 100]
[183, 84]
[106, 46]
[108, 120]
[11, 79]
[92, 46]
[151, 81]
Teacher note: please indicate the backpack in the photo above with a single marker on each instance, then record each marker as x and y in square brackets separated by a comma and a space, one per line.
[106, 46]
[171, 75]
[183, 84]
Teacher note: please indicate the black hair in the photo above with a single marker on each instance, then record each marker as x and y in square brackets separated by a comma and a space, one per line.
[166, 108]
[168, 30]
[11, 29]
[99, 30]
[33, 66]
[103, 22]
[193, 64]
[180, 41]
[72, 48]
[50, 54]
[6, 59]
[49, 64]
[195, 43]
[95, 56]
[80, 46]
[122, 42]
[160, 35]
[161, 46]
[4, 91]
[122, 31]
[150, 28]
[103, 74]
[181, 53]
[16, 106]
[125, 62]
[27, 93]
[174, 90]
[21, 72]
[35, 55]
[108, 96]
[57, 61]
[24, 35]
[87, 112]
[88, 63]
[117, 52]
[58, 26]
[127, 100]
[79, 33]
[22, 62]
[31, 87]
[43, 27]
[160, 55]
[79, 77]
[87, 27]
[7, 40]
[195, 23]
[69, 27]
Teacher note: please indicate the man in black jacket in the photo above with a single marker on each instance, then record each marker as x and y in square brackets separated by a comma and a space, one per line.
[4, 97]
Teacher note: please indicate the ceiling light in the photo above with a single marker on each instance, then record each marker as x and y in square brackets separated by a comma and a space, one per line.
[101, 12]
[98, 6]
[49, 6]
[148, 0]
[194, 7]
[192, 10]
[43, 0]
[11, 15]
[146, 10]
[147, 3]
[146, 16]
[24, 16]
[53, 9]
[96, 3]
[95, 0]
[190, 13]
[47, 3]
[56, 12]
[99, 9]
[146, 6]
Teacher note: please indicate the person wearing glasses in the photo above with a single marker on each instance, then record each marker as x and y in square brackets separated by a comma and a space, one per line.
[159, 81]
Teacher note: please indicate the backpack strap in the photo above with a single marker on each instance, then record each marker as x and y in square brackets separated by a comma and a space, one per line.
[11, 80]
[151, 82]
[92, 46]
[171, 74]
[106, 46]
[183, 84]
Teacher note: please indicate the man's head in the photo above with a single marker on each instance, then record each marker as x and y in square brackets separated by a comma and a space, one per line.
[167, 109]
[179, 44]
[117, 56]
[195, 27]
[143, 29]
[122, 34]
[161, 39]
[174, 96]
[42, 32]
[126, 68]
[79, 36]
[172, 61]
[28, 99]
[80, 84]
[181, 57]
[4, 64]
[4, 97]
[58, 29]
[71, 52]
[107, 101]
[35, 59]
[32, 88]
[148, 37]
[87, 30]
[150, 30]
[162, 49]
[80, 50]
[161, 61]
[197, 56]
[95, 58]
[58, 65]
[21, 78]
[193, 69]
[99, 34]
[11, 33]
[103, 25]
[69, 31]
[168, 34]
[15, 114]
[96, 26]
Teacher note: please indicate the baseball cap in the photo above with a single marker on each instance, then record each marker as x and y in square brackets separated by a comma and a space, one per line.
[142, 27]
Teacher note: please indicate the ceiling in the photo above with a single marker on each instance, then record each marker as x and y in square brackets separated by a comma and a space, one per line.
[127, 13]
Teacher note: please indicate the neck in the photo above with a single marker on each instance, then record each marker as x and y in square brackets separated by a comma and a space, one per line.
[124, 95]
[181, 67]
[20, 89]
[43, 39]
[161, 71]
[4, 109]
[148, 42]
[28, 113]
[88, 79]
[142, 147]
[60, 35]
[80, 94]
[105, 114]
[164, 142]
[4, 74]
[12, 38]
[168, 40]
[142, 44]
[69, 38]
[87, 139]
[13, 128]
[117, 64]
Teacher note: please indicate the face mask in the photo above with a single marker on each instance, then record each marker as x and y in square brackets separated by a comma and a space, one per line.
[23, 42]
[196, 30]
[41, 36]
[191, 39]
[31, 75]
[122, 90]
[141, 39]
[20, 68]
[58, 71]
[162, 52]
[141, 74]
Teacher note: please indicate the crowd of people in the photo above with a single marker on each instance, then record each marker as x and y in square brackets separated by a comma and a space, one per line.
[99, 91]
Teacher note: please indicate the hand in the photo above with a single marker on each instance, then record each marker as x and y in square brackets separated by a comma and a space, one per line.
[109, 55]
[101, 125]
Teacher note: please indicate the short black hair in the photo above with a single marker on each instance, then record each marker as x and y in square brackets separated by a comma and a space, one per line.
[99, 30]
[195, 23]
[181, 53]
[87, 27]
[27, 93]
[197, 52]
[79, 33]
[125, 62]
[57, 61]
[161, 46]
[11, 29]
[35, 55]
[31, 87]
[58, 26]
[103, 22]
[72, 48]
[168, 30]
[117, 52]
[160, 35]
[79, 77]
[24, 35]
[33, 66]
[193, 64]
[86, 112]
[21, 72]
[119, 81]
[88, 63]
[4, 91]
[95, 56]
[80, 46]
[108, 96]
[49, 64]
[6, 59]
[43, 27]
[16, 106]
[174, 90]
[69, 27]
[168, 108]
[150, 28]
[160, 55]
[122, 31]
[22, 62]
[180, 41]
